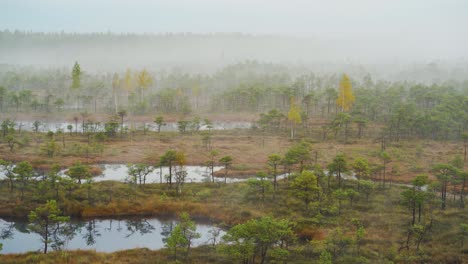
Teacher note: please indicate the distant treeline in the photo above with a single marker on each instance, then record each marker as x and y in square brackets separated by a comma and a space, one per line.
[207, 53]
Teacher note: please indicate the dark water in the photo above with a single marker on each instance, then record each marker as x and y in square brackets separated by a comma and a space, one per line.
[100, 235]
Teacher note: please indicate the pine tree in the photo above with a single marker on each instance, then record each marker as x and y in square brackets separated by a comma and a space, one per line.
[76, 76]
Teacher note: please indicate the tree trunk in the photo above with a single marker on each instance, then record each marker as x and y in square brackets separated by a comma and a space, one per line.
[384, 172]
[274, 178]
[160, 174]
[212, 171]
[466, 145]
[170, 174]
[462, 193]
[46, 238]
[419, 212]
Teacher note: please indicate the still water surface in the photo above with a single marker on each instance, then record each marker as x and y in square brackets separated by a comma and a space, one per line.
[103, 235]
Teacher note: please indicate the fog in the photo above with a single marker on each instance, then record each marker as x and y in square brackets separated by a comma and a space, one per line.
[380, 37]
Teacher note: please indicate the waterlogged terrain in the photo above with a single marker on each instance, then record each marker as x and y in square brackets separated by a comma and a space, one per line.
[102, 235]
[54, 126]
[119, 172]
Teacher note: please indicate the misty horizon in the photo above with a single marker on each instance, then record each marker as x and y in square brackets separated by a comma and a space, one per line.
[392, 40]
[363, 32]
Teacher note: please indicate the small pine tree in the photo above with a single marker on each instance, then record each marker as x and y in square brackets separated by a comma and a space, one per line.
[76, 76]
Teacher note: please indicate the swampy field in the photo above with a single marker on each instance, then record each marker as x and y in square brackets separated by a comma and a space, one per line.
[219, 132]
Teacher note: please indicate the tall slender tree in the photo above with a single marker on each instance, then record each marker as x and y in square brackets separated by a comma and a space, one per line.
[294, 117]
[46, 220]
[273, 161]
[76, 76]
[345, 98]
[226, 161]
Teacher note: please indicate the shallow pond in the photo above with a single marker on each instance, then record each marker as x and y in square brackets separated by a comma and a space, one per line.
[53, 126]
[101, 235]
[119, 172]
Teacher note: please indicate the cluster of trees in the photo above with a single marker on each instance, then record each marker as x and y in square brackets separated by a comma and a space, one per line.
[406, 109]
[43, 185]
[54, 143]
[314, 192]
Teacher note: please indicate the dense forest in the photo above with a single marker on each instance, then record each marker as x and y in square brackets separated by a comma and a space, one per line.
[405, 109]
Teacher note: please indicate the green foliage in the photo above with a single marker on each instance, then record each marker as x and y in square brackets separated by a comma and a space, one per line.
[159, 120]
[271, 121]
[195, 124]
[182, 126]
[366, 187]
[7, 167]
[338, 166]
[258, 237]
[325, 258]
[211, 162]
[444, 174]
[305, 187]
[274, 160]
[463, 234]
[298, 154]
[111, 127]
[361, 168]
[78, 172]
[11, 141]
[169, 159]
[46, 221]
[100, 137]
[24, 174]
[458, 162]
[182, 235]
[50, 148]
[260, 184]
[340, 195]
[138, 172]
[76, 76]
[226, 161]
[337, 242]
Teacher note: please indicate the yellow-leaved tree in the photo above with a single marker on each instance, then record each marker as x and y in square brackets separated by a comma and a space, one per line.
[115, 90]
[345, 98]
[294, 117]
[144, 80]
[128, 81]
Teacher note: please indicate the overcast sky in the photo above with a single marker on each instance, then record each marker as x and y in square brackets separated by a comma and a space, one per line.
[438, 26]
[325, 17]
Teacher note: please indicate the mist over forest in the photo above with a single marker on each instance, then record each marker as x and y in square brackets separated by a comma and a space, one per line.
[207, 53]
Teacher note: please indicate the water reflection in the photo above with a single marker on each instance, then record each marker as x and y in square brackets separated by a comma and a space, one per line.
[98, 234]
[141, 226]
[91, 233]
[119, 172]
